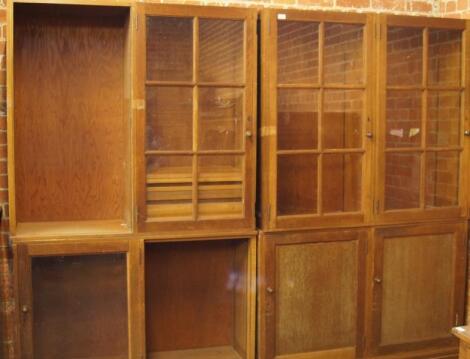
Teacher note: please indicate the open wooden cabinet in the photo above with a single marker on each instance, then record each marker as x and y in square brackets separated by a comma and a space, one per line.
[200, 298]
[196, 134]
[69, 119]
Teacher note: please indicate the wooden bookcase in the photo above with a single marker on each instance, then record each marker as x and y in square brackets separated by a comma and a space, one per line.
[77, 298]
[200, 298]
[422, 112]
[197, 132]
[69, 120]
[316, 125]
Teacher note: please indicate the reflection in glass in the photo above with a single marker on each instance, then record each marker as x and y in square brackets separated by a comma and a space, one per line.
[403, 119]
[297, 184]
[341, 184]
[169, 48]
[404, 56]
[402, 180]
[169, 112]
[221, 50]
[297, 119]
[220, 118]
[442, 179]
[343, 54]
[297, 52]
[342, 119]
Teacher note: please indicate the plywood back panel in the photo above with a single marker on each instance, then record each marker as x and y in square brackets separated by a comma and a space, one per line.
[418, 275]
[80, 306]
[70, 118]
[194, 295]
[316, 286]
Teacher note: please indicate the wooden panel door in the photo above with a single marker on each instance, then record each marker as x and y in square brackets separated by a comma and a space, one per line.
[74, 300]
[196, 133]
[312, 294]
[418, 286]
[421, 108]
[316, 125]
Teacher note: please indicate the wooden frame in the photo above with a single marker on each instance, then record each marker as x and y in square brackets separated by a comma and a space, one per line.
[217, 222]
[381, 214]
[269, 244]
[270, 219]
[431, 346]
[250, 294]
[25, 252]
[46, 228]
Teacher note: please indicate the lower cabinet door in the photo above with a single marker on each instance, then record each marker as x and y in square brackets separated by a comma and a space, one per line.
[312, 294]
[73, 300]
[418, 287]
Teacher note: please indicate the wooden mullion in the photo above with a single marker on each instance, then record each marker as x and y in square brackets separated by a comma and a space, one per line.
[321, 94]
[195, 116]
[424, 118]
[169, 83]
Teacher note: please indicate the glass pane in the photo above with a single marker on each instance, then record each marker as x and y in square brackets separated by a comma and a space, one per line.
[169, 49]
[343, 54]
[403, 119]
[221, 50]
[442, 179]
[297, 52]
[220, 118]
[404, 56]
[342, 119]
[443, 119]
[220, 186]
[169, 112]
[297, 119]
[341, 184]
[297, 184]
[169, 187]
[445, 48]
[402, 180]
[80, 306]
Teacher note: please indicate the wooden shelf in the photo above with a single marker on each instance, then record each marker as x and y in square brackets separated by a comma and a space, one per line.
[47, 229]
[226, 352]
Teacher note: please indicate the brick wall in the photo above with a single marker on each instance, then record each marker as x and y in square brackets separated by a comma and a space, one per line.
[450, 8]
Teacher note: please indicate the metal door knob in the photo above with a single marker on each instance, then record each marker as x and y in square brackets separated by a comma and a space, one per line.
[466, 132]
[378, 280]
[369, 134]
[269, 290]
[249, 134]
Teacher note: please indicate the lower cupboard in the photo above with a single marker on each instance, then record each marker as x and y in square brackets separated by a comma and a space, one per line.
[391, 292]
[136, 298]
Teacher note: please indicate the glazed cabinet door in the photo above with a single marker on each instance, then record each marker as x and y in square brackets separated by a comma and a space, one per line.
[418, 287]
[316, 126]
[196, 132]
[312, 294]
[422, 106]
[74, 300]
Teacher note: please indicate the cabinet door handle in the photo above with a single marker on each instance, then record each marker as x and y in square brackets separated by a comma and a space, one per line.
[466, 133]
[269, 290]
[25, 309]
[248, 134]
[377, 280]
[369, 134]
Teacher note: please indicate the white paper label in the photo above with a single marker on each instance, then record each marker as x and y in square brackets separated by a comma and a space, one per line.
[281, 16]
